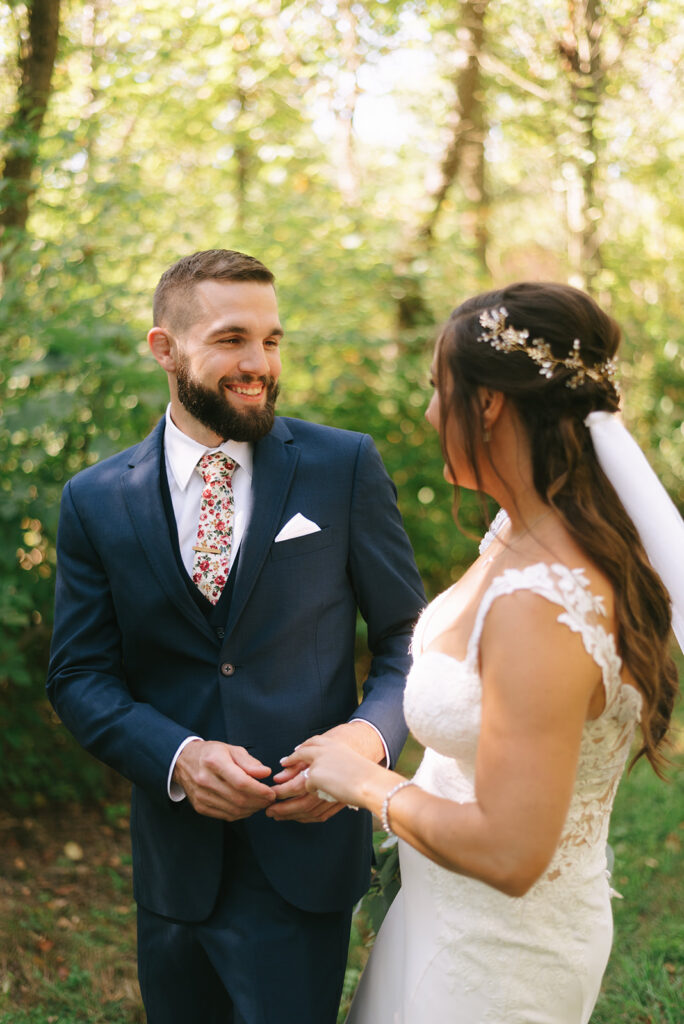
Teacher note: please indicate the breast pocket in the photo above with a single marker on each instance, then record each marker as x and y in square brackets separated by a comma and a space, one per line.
[304, 545]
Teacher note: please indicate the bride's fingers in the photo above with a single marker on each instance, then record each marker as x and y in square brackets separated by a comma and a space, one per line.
[314, 747]
[289, 772]
[297, 757]
[290, 788]
[303, 754]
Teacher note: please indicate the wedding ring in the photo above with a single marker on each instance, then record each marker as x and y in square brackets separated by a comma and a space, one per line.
[305, 773]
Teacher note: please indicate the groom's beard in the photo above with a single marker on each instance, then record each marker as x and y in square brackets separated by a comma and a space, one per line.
[212, 408]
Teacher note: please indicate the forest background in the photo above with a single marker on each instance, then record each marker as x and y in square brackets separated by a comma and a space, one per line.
[386, 159]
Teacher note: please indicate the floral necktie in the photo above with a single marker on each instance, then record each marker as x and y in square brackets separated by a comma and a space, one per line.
[215, 529]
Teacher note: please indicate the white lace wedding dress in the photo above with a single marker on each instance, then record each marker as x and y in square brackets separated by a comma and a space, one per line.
[453, 950]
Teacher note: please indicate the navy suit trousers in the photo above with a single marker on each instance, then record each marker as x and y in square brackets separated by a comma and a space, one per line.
[256, 960]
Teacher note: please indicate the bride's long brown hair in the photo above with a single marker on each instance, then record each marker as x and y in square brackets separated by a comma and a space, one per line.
[567, 475]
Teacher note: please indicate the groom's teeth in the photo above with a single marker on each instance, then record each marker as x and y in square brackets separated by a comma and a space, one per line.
[247, 391]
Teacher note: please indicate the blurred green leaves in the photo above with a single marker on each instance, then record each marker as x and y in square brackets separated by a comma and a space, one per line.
[310, 135]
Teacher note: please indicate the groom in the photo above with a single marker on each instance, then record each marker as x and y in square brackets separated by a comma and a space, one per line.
[207, 592]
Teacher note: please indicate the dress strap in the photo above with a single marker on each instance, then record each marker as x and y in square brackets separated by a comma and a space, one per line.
[582, 610]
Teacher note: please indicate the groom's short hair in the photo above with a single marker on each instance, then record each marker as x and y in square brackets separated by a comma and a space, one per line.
[173, 305]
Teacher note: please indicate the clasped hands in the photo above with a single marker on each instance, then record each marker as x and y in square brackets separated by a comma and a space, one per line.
[225, 781]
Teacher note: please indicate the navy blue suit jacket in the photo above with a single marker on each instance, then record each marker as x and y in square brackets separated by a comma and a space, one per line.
[136, 667]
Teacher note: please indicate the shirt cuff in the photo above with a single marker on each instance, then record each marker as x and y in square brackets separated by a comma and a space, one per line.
[386, 762]
[174, 789]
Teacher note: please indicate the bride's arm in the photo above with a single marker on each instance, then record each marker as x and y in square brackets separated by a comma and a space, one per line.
[538, 683]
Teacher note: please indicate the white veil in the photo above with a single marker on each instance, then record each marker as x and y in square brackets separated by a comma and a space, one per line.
[647, 503]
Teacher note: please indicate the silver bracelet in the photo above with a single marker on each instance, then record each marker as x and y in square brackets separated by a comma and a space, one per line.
[384, 820]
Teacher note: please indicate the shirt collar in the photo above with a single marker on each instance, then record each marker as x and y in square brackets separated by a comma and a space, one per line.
[183, 453]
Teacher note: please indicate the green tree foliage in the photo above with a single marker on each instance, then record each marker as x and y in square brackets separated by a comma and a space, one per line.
[317, 136]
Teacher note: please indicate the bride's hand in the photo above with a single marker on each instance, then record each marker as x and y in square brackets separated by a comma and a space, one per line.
[334, 768]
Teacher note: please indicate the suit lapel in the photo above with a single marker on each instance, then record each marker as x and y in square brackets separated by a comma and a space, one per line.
[275, 460]
[142, 491]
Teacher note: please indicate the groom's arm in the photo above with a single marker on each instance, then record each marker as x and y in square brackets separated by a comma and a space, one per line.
[389, 594]
[86, 681]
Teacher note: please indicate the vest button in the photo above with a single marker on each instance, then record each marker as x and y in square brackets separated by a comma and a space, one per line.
[227, 669]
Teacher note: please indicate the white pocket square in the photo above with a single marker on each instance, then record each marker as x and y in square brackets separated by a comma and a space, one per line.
[298, 526]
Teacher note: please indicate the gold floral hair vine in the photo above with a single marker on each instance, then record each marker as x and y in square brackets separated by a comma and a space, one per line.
[508, 339]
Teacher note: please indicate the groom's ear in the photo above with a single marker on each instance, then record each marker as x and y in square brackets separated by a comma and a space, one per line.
[491, 405]
[163, 348]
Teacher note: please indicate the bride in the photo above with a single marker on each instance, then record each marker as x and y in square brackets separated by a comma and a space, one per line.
[529, 678]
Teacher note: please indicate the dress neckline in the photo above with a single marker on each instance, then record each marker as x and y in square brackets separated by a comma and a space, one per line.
[429, 612]
[568, 589]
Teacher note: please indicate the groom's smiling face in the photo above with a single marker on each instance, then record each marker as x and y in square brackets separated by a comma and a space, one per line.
[227, 362]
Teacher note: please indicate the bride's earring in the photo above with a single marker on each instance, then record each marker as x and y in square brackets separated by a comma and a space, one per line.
[486, 435]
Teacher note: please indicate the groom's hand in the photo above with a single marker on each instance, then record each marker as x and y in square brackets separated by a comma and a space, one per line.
[221, 780]
[295, 803]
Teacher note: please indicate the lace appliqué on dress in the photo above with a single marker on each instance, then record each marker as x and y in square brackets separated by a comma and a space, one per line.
[499, 520]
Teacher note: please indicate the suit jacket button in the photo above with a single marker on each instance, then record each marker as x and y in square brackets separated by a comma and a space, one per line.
[227, 669]
[220, 632]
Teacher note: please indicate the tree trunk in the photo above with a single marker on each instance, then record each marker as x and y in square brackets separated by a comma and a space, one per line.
[94, 15]
[36, 63]
[463, 160]
[348, 172]
[243, 152]
[580, 52]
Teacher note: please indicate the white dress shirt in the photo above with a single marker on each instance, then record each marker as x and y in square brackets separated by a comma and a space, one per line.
[181, 455]
[186, 485]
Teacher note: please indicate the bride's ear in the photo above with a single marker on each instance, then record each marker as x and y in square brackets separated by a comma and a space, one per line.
[491, 405]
